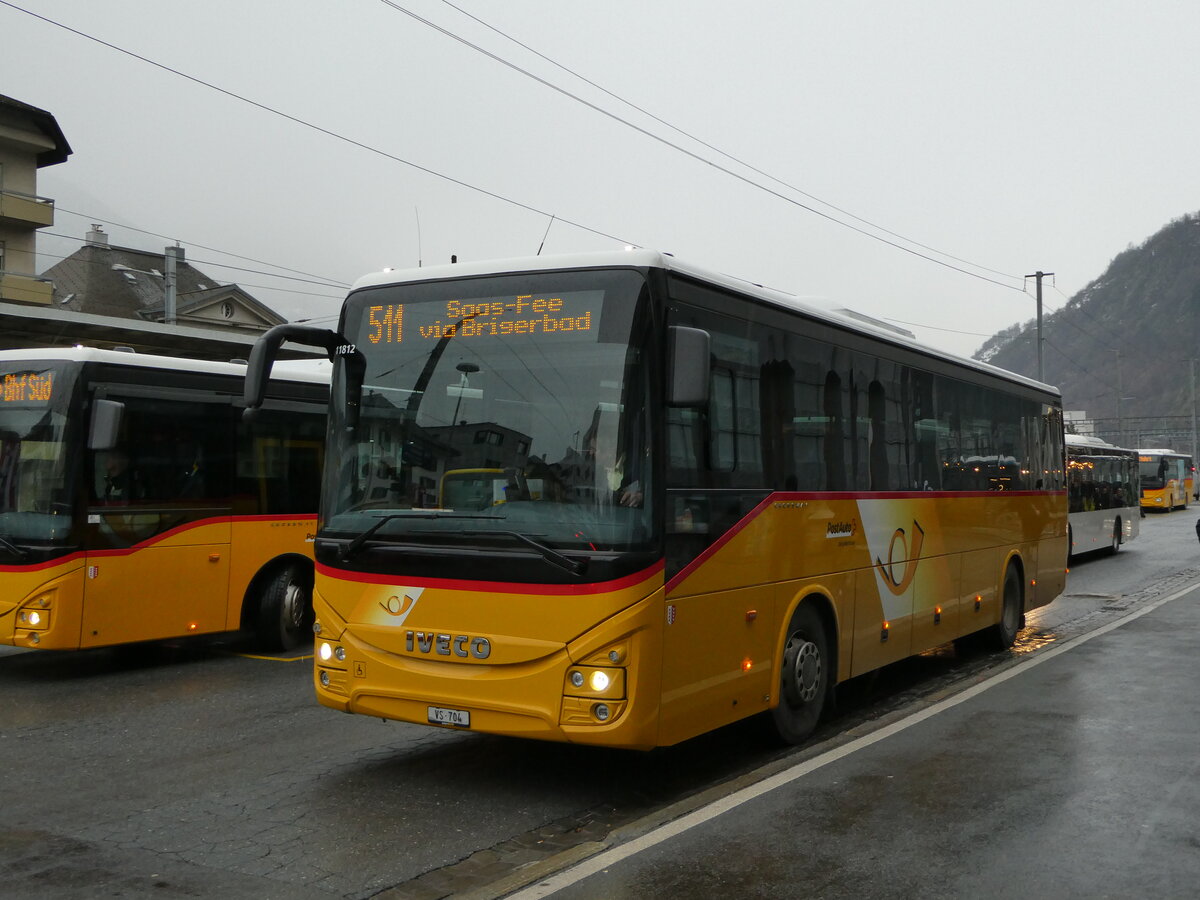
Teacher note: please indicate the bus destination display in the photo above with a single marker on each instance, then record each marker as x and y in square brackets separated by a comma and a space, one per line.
[27, 387]
[561, 315]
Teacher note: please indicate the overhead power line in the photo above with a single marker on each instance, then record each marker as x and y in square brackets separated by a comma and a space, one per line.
[936, 328]
[298, 121]
[696, 156]
[678, 130]
[332, 282]
[212, 262]
[484, 191]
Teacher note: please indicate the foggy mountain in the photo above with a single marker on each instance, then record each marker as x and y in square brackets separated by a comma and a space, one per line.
[1132, 332]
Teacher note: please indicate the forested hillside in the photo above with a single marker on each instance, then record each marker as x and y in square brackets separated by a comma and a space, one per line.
[1136, 328]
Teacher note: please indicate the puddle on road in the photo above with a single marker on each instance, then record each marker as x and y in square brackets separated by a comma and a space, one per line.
[1031, 642]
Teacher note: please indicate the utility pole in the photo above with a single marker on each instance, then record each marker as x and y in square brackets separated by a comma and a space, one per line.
[1040, 339]
[1193, 362]
[1120, 390]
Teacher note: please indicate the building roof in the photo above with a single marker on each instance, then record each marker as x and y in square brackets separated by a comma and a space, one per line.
[44, 122]
[125, 283]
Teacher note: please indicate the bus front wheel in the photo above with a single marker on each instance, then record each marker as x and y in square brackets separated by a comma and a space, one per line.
[804, 684]
[285, 613]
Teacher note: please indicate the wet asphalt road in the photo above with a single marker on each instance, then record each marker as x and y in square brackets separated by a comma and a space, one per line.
[196, 769]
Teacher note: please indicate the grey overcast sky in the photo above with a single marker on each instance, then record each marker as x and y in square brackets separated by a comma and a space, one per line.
[1000, 137]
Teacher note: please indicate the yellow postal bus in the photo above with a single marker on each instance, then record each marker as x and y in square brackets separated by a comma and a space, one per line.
[1166, 479]
[135, 504]
[741, 500]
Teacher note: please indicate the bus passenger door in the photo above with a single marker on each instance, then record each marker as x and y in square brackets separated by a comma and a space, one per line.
[159, 522]
[882, 623]
[887, 588]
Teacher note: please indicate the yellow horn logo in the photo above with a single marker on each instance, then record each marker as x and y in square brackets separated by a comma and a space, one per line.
[913, 555]
[394, 606]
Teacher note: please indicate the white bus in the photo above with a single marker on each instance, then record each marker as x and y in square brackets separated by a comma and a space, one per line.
[1103, 494]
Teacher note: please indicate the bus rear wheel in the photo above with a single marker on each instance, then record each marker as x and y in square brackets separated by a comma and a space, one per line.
[804, 681]
[1003, 634]
[285, 614]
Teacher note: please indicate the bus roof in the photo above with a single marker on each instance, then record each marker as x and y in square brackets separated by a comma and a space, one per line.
[312, 371]
[1161, 451]
[639, 258]
[1093, 442]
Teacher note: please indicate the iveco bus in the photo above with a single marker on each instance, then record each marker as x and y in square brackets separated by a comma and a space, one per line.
[694, 500]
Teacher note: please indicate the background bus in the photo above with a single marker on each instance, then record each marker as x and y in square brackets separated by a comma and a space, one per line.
[1166, 479]
[1103, 494]
[135, 504]
[744, 500]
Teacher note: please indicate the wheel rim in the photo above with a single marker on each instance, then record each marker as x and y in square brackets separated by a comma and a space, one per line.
[293, 607]
[802, 676]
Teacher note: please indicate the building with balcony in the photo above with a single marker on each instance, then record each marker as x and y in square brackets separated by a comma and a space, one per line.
[29, 140]
[104, 296]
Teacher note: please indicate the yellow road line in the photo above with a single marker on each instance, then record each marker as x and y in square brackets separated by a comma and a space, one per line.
[274, 658]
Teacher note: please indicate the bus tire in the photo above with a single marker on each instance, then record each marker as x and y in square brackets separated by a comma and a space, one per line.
[285, 614]
[1116, 537]
[805, 676]
[1003, 634]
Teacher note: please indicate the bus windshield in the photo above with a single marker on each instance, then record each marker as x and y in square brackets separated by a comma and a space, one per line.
[1156, 470]
[497, 408]
[36, 500]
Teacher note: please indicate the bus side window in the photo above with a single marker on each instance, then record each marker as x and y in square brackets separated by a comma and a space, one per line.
[170, 452]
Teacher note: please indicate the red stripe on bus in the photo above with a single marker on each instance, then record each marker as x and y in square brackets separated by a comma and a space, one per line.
[49, 564]
[462, 584]
[158, 538]
[724, 539]
[903, 495]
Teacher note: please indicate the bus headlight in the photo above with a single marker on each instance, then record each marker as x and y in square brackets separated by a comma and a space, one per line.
[34, 619]
[601, 712]
[324, 678]
[331, 654]
[595, 681]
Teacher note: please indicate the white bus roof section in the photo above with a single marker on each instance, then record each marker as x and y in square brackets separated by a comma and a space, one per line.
[1088, 440]
[655, 260]
[311, 371]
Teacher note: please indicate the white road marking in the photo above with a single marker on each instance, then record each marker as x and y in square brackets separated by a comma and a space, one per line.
[607, 858]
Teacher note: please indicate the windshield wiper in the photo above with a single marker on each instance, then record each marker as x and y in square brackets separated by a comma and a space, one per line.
[575, 566]
[355, 545]
[18, 552]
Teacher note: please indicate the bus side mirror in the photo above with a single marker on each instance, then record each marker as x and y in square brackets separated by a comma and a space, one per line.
[106, 424]
[262, 357]
[688, 367]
